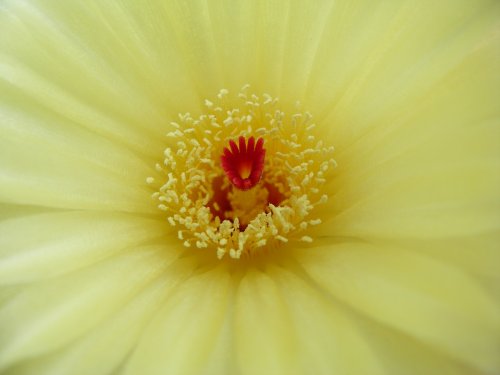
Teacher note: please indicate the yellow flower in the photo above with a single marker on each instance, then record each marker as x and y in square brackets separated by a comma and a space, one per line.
[369, 244]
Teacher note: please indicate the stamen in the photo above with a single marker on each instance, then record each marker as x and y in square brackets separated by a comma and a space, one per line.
[243, 165]
[242, 206]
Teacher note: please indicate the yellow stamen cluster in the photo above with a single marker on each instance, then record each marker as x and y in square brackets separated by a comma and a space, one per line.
[296, 164]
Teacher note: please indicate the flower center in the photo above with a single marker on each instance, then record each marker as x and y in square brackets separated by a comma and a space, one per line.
[224, 191]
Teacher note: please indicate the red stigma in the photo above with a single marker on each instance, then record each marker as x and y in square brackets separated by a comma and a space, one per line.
[244, 163]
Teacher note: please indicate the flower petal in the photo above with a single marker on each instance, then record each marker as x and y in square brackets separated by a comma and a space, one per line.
[330, 341]
[49, 315]
[477, 254]
[432, 179]
[43, 246]
[10, 211]
[265, 339]
[393, 64]
[106, 346]
[425, 299]
[119, 88]
[67, 167]
[95, 126]
[182, 335]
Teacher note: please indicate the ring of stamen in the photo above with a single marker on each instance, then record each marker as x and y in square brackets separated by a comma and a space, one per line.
[243, 199]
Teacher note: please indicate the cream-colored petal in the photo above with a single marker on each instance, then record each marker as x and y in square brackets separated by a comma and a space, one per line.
[423, 157]
[253, 51]
[92, 105]
[104, 74]
[401, 88]
[391, 61]
[48, 315]
[477, 254]
[264, 336]
[183, 334]
[333, 338]
[8, 292]
[221, 359]
[44, 160]
[42, 246]
[271, 45]
[428, 300]
[105, 347]
[328, 338]
[415, 125]
[454, 200]
[400, 353]
[438, 176]
[10, 211]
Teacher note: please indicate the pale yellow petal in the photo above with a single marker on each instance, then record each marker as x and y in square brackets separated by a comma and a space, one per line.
[103, 348]
[400, 353]
[333, 338]
[413, 112]
[43, 246]
[49, 161]
[49, 315]
[183, 334]
[253, 51]
[328, 337]
[435, 173]
[477, 254]
[10, 211]
[376, 60]
[406, 91]
[428, 300]
[264, 335]
[92, 105]
[108, 77]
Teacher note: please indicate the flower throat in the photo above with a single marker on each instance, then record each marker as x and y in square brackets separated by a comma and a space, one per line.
[243, 177]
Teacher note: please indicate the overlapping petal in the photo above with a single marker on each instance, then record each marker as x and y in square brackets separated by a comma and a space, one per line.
[426, 299]
[404, 277]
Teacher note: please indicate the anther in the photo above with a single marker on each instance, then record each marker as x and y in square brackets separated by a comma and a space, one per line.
[244, 163]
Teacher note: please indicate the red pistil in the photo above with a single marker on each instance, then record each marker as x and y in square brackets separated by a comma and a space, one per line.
[244, 165]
